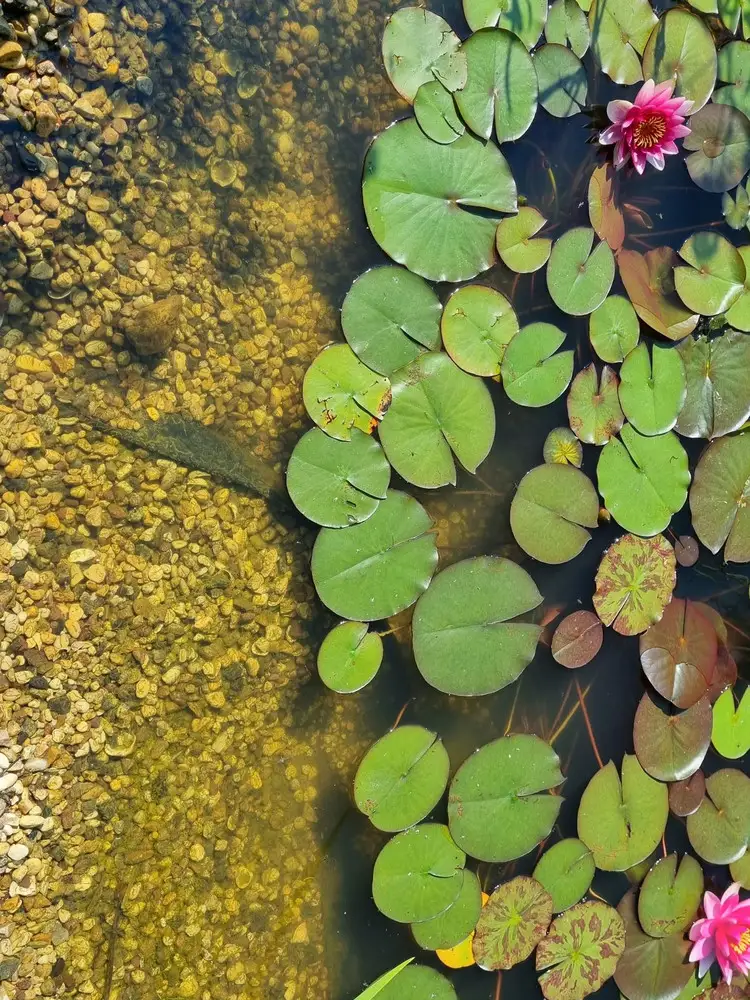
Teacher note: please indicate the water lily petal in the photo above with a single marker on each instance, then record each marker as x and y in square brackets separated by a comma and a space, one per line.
[617, 110]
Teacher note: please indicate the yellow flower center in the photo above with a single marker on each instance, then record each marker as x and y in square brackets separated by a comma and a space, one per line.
[743, 944]
[649, 131]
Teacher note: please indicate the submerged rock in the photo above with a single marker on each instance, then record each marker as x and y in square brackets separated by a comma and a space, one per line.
[153, 328]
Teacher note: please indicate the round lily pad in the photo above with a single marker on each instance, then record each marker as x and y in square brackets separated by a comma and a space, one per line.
[349, 657]
[578, 278]
[375, 569]
[686, 796]
[512, 923]
[340, 393]
[594, 409]
[389, 317]
[720, 147]
[682, 50]
[551, 510]
[734, 69]
[580, 951]
[719, 497]
[498, 806]
[716, 276]
[731, 725]
[634, 583]
[718, 391]
[437, 411]
[408, 176]
[671, 747]
[678, 653]
[435, 110]
[670, 896]
[566, 871]
[614, 329]
[401, 778]
[567, 25]
[650, 967]
[652, 388]
[562, 447]
[577, 639]
[649, 282]
[453, 925]
[467, 639]
[738, 314]
[524, 18]
[418, 874]
[517, 249]
[478, 324]
[416, 982]
[563, 86]
[686, 550]
[337, 483]
[719, 830]
[604, 211]
[619, 32]
[419, 47]
[533, 375]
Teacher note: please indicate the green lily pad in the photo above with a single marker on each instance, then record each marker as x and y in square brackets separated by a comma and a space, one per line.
[401, 778]
[733, 12]
[517, 249]
[740, 871]
[577, 639]
[731, 725]
[376, 988]
[496, 59]
[419, 47]
[671, 747]
[605, 213]
[349, 657]
[562, 447]
[418, 874]
[719, 830]
[340, 393]
[650, 968]
[619, 32]
[437, 411]
[705, 6]
[734, 70]
[512, 923]
[634, 583]
[738, 315]
[621, 822]
[567, 25]
[566, 871]
[644, 480]
[578, 279]
[719, 498]
[720, 147]
[498, 809]
[736, 210]
[716, 276]
[375, 569]
[614, 329]
[408, 176]
[549, 514]
[418, 982]
[453, 925]
[718, 391]
[533, 375]
[524, 18]
[678, 653]
[581, 951]
[337, 483]
[563, 85]
[594, 409]
[652, 388]
[467, 640]
[478, 324]
[389, 317]
[681, 49]
[435, 110]
[649, 282]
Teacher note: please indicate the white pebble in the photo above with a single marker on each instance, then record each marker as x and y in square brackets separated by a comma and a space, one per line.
[17, 852]
[37, 764]
[31, 822]
[7, 781]
[4, 762]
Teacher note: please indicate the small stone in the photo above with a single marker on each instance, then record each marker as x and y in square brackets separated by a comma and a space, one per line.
[17, 852]
[98, 203]
[97, 22]
[46, 119]
[142, 688]
[32, 365]
[144, 85]
[81, 555]
[11, 55]
[153, 328]
[197, 852]
[41, 271]
[35, 765]
[7, 781]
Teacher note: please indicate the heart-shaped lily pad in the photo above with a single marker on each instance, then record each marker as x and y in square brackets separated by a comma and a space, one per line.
[735, 13]
[533, 375]
[686, 796]
[720, 145]
[671, 747]
[478, 324]
[419, 47]
[678, 653]
[580, 951]
[517, 249]
[670, 896]
[562, 447]
[605, 213]
[731, 725]
[734, 70]
[716, 276]
[634, 583]
[652, 388]
[720, 497]
[340, 393]
[349, 657]
[467, 640]
[418, 982]
[594, 409]
[736, 209]
[614, 329]
[738, 314]
[512, 923]
[524, 18]
[682, 50]
[435, 110]
[577, 639]
[498, 809]
[579, 278]
[649, 282]
[650, 967]
[553, 506]
[619, 32]
[566, 871]
[720, 829]
[718, 391]
[567, 25]
[453, 925]
[563, 86]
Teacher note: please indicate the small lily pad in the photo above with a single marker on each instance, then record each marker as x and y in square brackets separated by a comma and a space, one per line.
[731, 725]
[652, 388]
[650, 967]
[419, 47]
[649, 282]
[734, 70]
[435, 110]
[551, 510]
[453, 925]
[533, 375]
[340, 393]
[614, 329]
[524, 18]
[562, 447]
[671, 747]
[736, 210]
[719, 497]
[580, 951]
[719, 830]
[578, 278]
[605, 213]
[594, 409]
[619, 32]
[478, 324]
[517, 249]
[686, 796]
[678, 653]
[740, 871]
[349, 657]
[681, 49]
[719, 146]
[567, 25]
[577, 639]
[566, 871]
[718, 390]
[716, 276]
[512, 924]
[418, 982]
[634, 583]
[563, 85]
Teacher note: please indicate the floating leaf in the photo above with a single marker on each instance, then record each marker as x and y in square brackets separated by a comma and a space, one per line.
[389, 317]
[563, 86]
[716, 277]
[418, 874]
[375, 569]
[731, 725]
[581, 951]
[466, 641]
[478, 324]
[512, 924]
[496, 59]
[340, 393]
[621, 822]
[567, 25]
[650, 968]
[604, 212]
[337, 483]
[460, 956]
[686, 550]
[495, 809]
[682, 50]
[736, 210]
[720, 139]
[533, 375]
[614, 329]
[720, 829]
[407, 176]
[552, 507]
[671, 747]
[437, 411]
[376, 988]
[718, 391]
[517, 249]
[644, 480]
[738, 315]
[678, 653]
[734, 69]
[418, 982]
[419, 47]
[649, 282]
[719, 497]
[349, 657]
[435, 110]
[740, 871]
[577, 639]
[619, 32]
[686, 796]
[524, 18]
[566, 871]
[652, 388]
[634, 583]
[578, 279]
[562, 447]
[732, 11]
[453, 925]
[594, 408]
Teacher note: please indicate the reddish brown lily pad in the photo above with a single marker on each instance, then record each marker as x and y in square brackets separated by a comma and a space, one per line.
[605, 214]
[578, 639]
[678, 654]
[512, 923]
[634, 583]
[594, 410]
[671, 747]
[725, 673]
[649, 282]
[581, 951]
[686, 796]
[686, 551]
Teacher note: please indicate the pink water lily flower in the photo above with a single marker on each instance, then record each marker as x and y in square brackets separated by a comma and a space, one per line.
[723, 935]
[645, 132]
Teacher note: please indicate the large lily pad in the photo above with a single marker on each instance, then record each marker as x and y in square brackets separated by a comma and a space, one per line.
[578, 278]
[650, 968]
[453, 925]
[594, 409]
[419, 47]
[389, 317]
[652, 388]
[718, 390]
[418, 982]
[498, 809]
[340, 393]
[533, 375]
[551, 510]
[605, 213]
[581, 951]
[671, 747]
[375, 569]
[501, 85]
[649, 282]
[619, 32]
[563, 85]
[435, 110]
[349, 657]
[634, 583]
[478, 324]
[644, 480]
[566, 871]
[409, 179]
[720, 829]
[731, 725]
[734, 70]
[524, 18]
[614, 329]
[437, 411]
[720, 497]
[467, 640]
[681, 49]
[621, 822]
[738, 315]
[517, 249]
[720, 147]
[678, 653]
[670, 896]
[567, 25]
[511, 925]
[716, 276]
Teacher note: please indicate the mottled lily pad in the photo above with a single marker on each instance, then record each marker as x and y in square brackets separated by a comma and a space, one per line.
[419, 47]
[551, 510]
[349, 657]
[720, 147]
[619, 32]
[517, 249]
[718, 390]
[579, 278]
[478, 324]
[435, 110]
[512, 923]
[563, 85]
[719, 830]
[567, 25]
[524, 18]
[577, 639]
[650, 967]
[649, 282]
[453, 925]
[533, 375]
[731, 725]
[605, 213]
[594, 409]
[678, 653]
[580, 951]
[720, 497]
[652, 388]
[340, 393]
[634, 583]
[566, 871]
[614, 329]
[671, 747]
[682, 50]
[562, 447]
